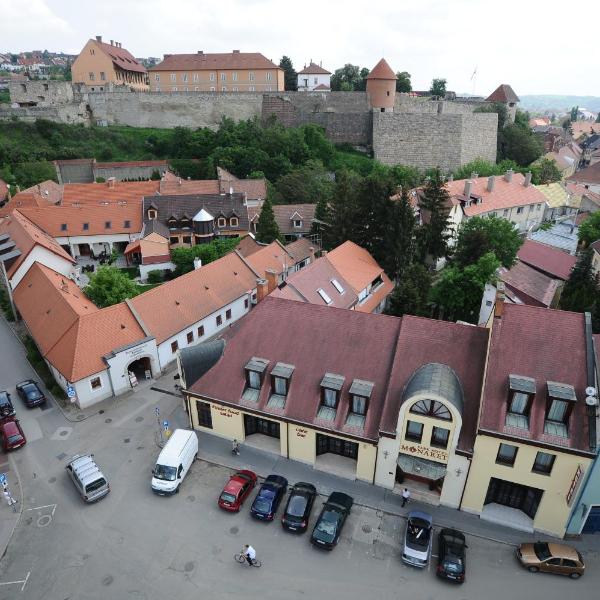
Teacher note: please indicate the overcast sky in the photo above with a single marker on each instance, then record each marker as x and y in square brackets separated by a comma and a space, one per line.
[532, 44]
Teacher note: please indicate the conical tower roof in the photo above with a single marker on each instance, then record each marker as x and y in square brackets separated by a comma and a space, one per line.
[202, 216]
[382, 71]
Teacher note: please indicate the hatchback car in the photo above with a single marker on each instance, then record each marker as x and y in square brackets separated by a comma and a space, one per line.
[551, 558]
[6, 407]
[328, 527]
[298, 507]
[30, 393]
[236, 490]
[11, 434]
[417, 539]
[268, 498]
[451, 555]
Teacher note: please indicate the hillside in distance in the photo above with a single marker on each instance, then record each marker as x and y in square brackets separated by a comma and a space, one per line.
[541, 102]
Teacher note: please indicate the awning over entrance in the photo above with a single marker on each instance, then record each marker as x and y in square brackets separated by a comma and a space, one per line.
[421, 467]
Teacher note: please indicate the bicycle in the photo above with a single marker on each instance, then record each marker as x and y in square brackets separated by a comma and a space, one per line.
[241, 558]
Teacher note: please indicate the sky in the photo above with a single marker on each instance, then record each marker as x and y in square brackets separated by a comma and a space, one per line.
[534, 45]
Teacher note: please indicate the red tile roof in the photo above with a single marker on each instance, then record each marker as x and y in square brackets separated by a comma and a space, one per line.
[132, 163]
[274, 256]
[110, 191]
[285, 214]
[588, 175]
[503, 93]
[121, 58]
[302, 248]
[527, 341]
[314, 69]
[531, 286]
[224, 60]
[548, 260]
[322, 87]
[382, 71]
[248, 245]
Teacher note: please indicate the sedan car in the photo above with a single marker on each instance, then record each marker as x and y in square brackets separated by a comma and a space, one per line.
[236, 490]
[11, 434]
[30, 393]
[552, 558]
[417, 539]
[298, 507]
[328, 527]
[451, 556]
[268, 498]
[6, 407]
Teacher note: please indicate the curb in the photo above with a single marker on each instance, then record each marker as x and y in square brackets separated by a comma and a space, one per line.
[21, 509]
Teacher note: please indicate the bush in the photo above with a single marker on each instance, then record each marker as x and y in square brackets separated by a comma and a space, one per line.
[155, 276]
[41, 368]
[5, 305]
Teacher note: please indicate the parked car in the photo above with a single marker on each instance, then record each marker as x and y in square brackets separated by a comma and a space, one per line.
[417, 539]
[551, 558]
[236, 490]
[30, 393]
[11, 434]
[89, 480]
[328, 527]
[268, 498]
[298, 507]
[451, 555]
[6, 406]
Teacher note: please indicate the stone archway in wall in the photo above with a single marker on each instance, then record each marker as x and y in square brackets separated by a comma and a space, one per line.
[141, 367]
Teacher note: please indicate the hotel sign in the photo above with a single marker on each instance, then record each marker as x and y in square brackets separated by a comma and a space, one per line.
[574, 485]
[425, 452]
[228, 412]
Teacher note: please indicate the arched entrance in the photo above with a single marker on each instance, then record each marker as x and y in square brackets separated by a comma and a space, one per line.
[141, 368]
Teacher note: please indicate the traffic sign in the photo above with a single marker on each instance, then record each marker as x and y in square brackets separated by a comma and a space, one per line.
[2, 478]
[70, 391]
[166, 425]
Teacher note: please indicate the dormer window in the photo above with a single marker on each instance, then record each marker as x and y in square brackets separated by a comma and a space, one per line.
[221, 222]
[63, 226]
[297, 223]
[338, 286]
[152, 214]
[255, 370]
[172, 223]
[431, 408]
[234, 222]
[325, 296]
[280, 384]
[521, 393]
[331, 386]
[561, 399]
[185, 222]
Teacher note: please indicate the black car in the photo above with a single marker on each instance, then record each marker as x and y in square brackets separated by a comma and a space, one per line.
[331, 520]
[30, 392]
[268, 498]
[6, 407]
[298, 507]
[451, 561]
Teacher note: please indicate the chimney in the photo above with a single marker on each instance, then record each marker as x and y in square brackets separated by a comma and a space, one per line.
[491, 183]
[312, 254]
[179, 181]
[112, 43]
[271, 277]
[467, 190]
[474, 175]
[197, 263]
[499, 303]
[111, 182]
[261, 289]
[236, 51]
[527, 179]
[508, 175]
[323, 252]
[200, 51]
[99, 38]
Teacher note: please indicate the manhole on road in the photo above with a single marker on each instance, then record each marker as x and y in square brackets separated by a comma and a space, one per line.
[189, 566]
[108, 580]
[234, 530]
[367, 528]
[109, 420]
[61, 456]
[126, 440]
[52, 480]
[190, 498]
[139, 419]
[63, 433]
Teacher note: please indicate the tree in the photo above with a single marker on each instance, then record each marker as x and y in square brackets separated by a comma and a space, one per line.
[480, 235]
[574, 113]
[581, 290]
[403, 83]
[349, 78]
[28, 174]
[410, 296]
[545, 171]
[520, 145]
[183, 258]
[589, 230]
[433, 235]
[458, 292]
[289, 74]
[598, 118]
[344, 212]
[322, 217]
[267, 230]
[399, 238]
[109, 286]
[438, 88]
[304, 185]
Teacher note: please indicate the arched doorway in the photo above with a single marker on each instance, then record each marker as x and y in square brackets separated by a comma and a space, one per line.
[141, 368]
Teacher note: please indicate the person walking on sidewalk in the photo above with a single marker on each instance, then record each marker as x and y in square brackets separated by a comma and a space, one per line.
[235, 448]
[405, 497]
[9, 499]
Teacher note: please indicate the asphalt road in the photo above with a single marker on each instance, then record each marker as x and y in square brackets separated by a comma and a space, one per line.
[135, 545]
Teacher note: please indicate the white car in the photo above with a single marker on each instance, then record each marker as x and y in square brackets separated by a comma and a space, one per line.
[418, 539]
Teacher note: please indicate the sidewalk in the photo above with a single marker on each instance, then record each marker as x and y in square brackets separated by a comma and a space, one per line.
[218, 451]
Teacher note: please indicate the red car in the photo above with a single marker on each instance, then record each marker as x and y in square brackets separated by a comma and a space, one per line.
[236, 490]
[11, 434]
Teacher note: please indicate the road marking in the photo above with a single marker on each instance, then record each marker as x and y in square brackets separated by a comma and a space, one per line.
[23, 581]
[53, 506]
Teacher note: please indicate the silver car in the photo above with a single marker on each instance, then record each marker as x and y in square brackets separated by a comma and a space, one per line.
[87, 477]
[418, 539]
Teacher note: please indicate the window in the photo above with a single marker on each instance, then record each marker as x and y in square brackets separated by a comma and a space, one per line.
[107, 225]
[505, 212]
[157, 89]
[127, 224]
[234, 76]
[195, 77]
[172, 223]
[228, 314]
[201, 331]
[251, 76]
[174, 347]
[91, 51]
[96, 383]
[157, 77]
[245, 302]
[173, 77]
[439, 437]
[204, 414]
[63, 226]
[431, 408]
[196, 89]
[297, 223]
[187, 239]
[325, 296]
[223, 88]
[219, 320]
[316, 80]
[174, 88]
[184, 77]
[233, 222]
[221, 222]
[538, 206]
[186, 89]
[174, 240]
[235, 88]
[223, 77]
[92, 76]
[338, 286]
[518, 410]
[102, 76]
[506, 455]
[212, 76]
[253, 380]
[86, 226]
[251, 88]
[280, 386]
[269, 89]
[519, 210]
[359, 405]
[543, 463]
[190, 337]
[557, 417]
[329, 398]
[152, 214]
[269, 76]
[414, 431]
[212, 89]
[332, 445]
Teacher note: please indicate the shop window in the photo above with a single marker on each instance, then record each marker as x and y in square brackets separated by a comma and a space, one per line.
[174, 347]
[414, 431]
[543, 463]
[439, 437]
[507, 455]
[204, 414]
[96, 383]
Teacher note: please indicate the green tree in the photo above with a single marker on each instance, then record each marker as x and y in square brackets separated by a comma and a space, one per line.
[267, 230]
[433, 235]
[399, 237]
[410, 296]
[304, 185]
[519, 144]
[574, 113]
[581, 289]
[480, 235]
[322, 217]
[27, 174]
[349, 78]
[110, 286]
[403, 83]
[289, 74]
[589, 230]
[545, 170]
[438, 88]
[458, 292]
[183, 258]
[344, 213]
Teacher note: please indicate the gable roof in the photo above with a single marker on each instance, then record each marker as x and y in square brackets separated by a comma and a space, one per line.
[110, 191]
[203, 61]
[556, 194]
[248, 245]
[531, 286]
[382, 71]
[503, 93]
[588, 175]
[301, 249]
[285, 213]
[273, 256]
[548, 260]
[314, 69]
[121, 57]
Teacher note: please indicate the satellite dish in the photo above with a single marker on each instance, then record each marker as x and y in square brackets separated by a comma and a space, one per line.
[590, 391]
[591, 401]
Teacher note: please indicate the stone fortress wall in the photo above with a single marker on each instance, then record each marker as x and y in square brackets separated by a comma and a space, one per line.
[419, 132]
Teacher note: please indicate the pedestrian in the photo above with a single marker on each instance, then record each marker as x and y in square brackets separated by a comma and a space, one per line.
[405, 497]
[9, 499]
[235, 447]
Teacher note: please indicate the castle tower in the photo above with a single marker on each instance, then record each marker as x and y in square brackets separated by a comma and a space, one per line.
[505, 95]
[381, 87]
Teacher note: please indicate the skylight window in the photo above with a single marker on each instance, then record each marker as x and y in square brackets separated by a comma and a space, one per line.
[324, 295]
[338, 286]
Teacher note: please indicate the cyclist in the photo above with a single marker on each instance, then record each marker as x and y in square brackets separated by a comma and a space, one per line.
[250, 553]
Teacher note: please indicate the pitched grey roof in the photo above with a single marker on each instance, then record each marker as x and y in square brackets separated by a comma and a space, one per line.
[196, 360]
[154, 226]
[439, 379]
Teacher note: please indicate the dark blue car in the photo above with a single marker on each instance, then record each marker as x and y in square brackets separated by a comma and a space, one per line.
[268, 498]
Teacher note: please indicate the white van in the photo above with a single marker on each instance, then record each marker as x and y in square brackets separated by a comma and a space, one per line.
[174, 461]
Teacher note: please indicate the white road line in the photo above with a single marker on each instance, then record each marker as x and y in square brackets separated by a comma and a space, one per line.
[23, 581]
[26, 580]
[53, 506]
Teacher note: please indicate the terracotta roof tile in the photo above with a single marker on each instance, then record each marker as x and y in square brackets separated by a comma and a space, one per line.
[300, 249]
[49, 190]
[531, 286]
[546, 259]
[121, 57]
[132, 163]
[314, 69]
[115, 191]
[382, 71]
[3, 189]
[503, 93]
[248, 245]
[205, 61]
[588, 175]
[186, 187]
[273, 256]
[355, 265]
